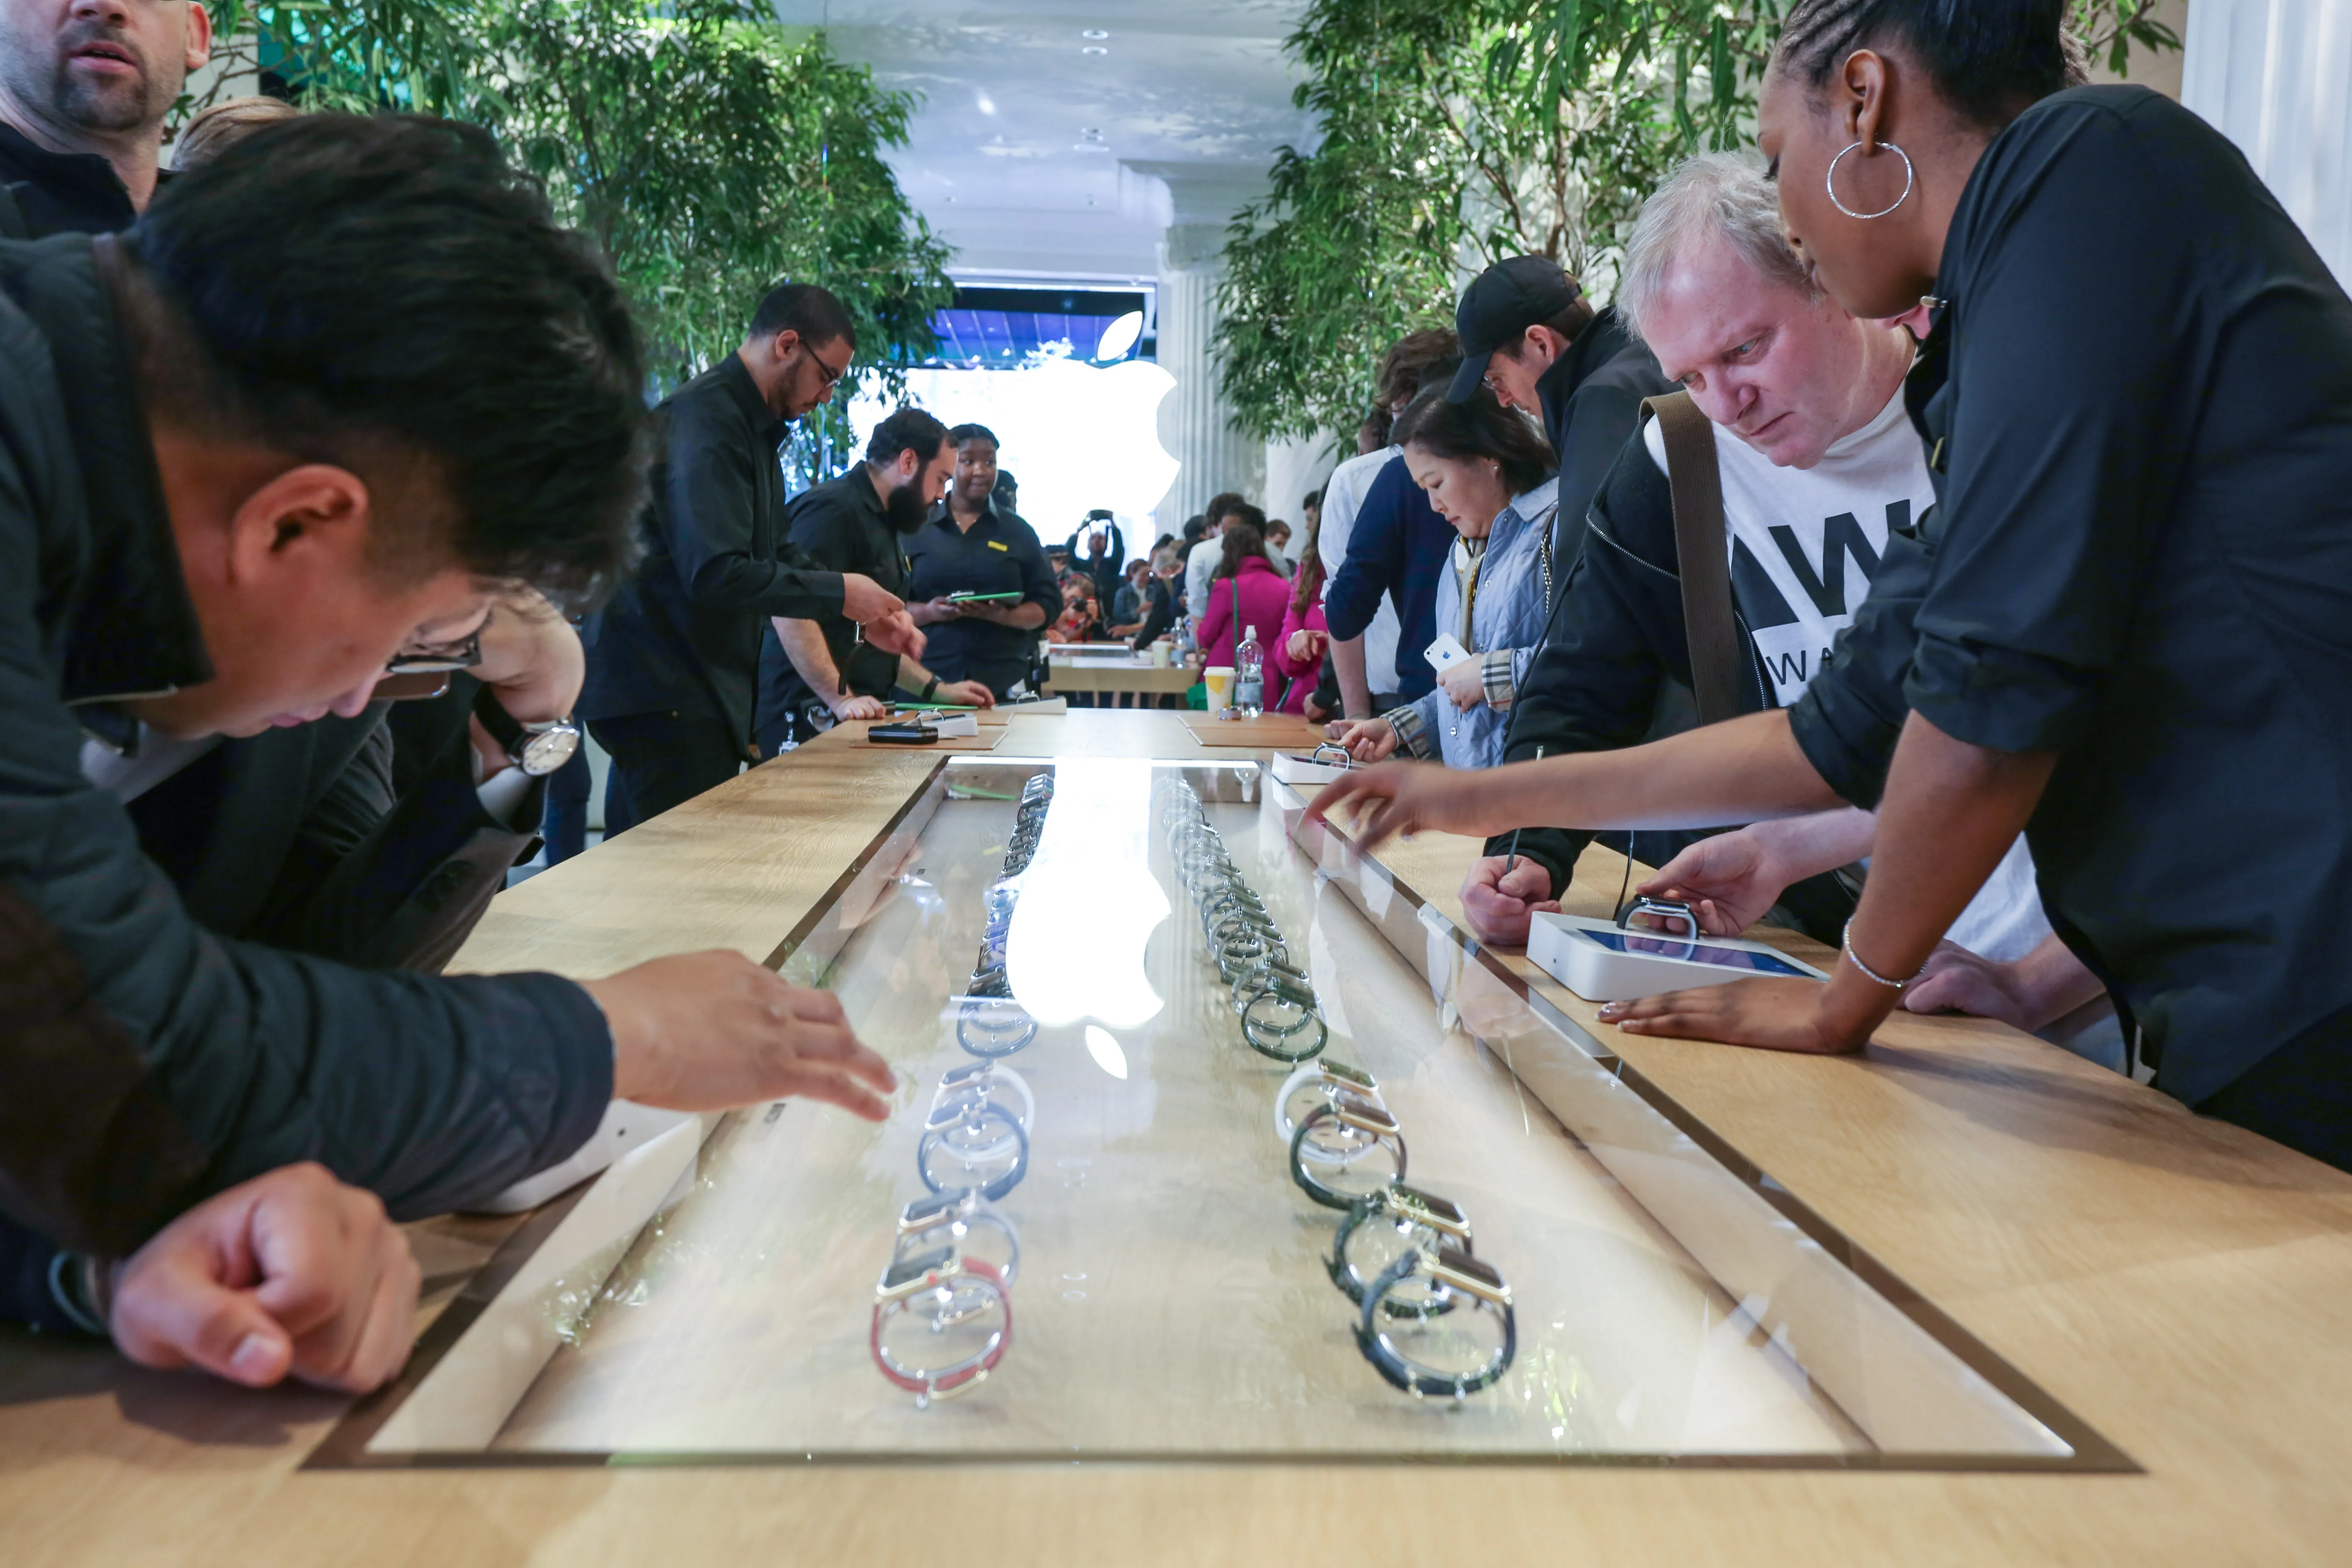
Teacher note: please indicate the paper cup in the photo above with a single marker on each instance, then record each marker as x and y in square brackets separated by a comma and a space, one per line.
[1220, 677]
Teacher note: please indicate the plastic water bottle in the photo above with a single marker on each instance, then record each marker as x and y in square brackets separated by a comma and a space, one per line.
[1249, 675]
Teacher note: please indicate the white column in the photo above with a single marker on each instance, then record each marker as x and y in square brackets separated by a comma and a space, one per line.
[2275, 78]
[1292, 469]
[1195, 422]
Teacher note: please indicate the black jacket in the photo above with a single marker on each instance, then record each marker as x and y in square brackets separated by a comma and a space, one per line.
[205, 1060]
[1615, 670]
[44, 193]
[1591, 399]
[683, 634]
[838, 526]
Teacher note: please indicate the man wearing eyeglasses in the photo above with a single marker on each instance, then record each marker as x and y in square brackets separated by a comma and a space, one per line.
[674, 660]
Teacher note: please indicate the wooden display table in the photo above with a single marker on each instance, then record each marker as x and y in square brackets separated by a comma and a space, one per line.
[2179, 1284]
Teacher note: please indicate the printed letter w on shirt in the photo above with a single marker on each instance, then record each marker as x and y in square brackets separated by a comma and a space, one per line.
[1840, 536]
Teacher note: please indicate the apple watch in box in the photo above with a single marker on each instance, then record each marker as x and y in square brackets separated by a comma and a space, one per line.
[1603, 961]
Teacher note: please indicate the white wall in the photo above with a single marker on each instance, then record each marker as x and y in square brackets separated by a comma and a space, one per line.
[2275, 78]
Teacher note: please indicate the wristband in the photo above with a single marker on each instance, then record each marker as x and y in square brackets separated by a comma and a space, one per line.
[1456, 1272]
[989, 1022]
[1359, 1147]
[1379, 1225]
[960, 1146]
[1318, 1083]
[69, 1289]
[944, 1299]
[981, 1083]
[934, 686]
[953, 1219]
[1282, 1022]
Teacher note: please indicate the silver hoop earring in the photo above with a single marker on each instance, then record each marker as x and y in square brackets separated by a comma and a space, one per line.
[1831, 182]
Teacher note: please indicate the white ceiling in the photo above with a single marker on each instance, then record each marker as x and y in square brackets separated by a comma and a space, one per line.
[1033, 156]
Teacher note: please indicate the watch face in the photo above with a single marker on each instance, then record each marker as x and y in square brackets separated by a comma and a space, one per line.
[549, 749]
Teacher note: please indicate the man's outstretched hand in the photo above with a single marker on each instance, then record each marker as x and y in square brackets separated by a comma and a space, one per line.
[708, 1031]
[291, 1274]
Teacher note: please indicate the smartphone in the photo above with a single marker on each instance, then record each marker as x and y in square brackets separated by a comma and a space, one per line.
[1446, 652]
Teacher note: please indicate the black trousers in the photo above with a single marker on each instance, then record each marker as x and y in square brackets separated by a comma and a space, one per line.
[2299, 1094]
[667, 759]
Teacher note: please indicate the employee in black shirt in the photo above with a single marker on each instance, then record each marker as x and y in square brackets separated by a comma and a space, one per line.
[816, 670]
[674, 657]
[2130, 602]
[974, 545]
[84, 92]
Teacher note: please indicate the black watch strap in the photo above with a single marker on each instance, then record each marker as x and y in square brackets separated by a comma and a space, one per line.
[934, 686]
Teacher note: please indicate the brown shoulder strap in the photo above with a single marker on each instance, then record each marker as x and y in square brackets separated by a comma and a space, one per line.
[1703, 556]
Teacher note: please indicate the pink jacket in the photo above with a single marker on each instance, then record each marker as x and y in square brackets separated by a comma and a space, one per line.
[1302, 677]
[1263, 592]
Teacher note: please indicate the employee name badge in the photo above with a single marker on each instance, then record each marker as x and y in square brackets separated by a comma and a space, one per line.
[1447, 653]
[995, 545]
[1614, 961]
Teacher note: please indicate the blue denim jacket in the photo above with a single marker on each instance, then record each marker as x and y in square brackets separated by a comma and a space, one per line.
[1507, 623]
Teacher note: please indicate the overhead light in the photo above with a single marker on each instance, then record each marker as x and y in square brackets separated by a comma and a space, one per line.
[1120, 336]
[1094, 32]
[1094, 49]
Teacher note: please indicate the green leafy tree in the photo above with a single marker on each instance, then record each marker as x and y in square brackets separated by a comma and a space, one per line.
[1455, 133]
[709, 154]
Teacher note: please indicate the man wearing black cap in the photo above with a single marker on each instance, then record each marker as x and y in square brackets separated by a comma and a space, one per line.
[1531, 336]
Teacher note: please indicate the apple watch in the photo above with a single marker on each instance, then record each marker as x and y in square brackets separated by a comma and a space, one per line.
[537, 749]
[1320, 1083]
[972, 1147]
[957, 1219]
[1356, 1148]
[942, 1322]
[1466, 1278]
[1283, 1021]
[1380, 1227]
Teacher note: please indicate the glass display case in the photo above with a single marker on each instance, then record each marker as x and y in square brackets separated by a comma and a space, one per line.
[1215, 1143]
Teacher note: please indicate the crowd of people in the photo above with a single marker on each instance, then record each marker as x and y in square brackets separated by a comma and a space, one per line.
[1884, 518]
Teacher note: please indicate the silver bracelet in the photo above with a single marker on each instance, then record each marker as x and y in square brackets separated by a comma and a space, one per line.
[1846, 942]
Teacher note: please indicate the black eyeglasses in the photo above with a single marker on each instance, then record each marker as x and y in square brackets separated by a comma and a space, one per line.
[463, 654]
[832, 376]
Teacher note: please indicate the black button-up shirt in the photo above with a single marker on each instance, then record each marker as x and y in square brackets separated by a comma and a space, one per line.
[2142, 561]
[683, 634]
[60, 193]
[838, 525]
[998, 554]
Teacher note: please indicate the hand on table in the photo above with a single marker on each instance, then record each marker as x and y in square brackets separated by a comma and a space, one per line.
[1367, 739]
[1775, 1015]
[1466, 684]
[865, 601]
[1498, 906]
[1730, 878]
[290, 1273]
[708, 1031]
[965, 694]
[1306, 646]
[855, 706]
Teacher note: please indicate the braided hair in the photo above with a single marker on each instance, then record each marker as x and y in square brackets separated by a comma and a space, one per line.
[1988, 58]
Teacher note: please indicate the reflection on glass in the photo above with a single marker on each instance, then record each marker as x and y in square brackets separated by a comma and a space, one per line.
[1089, 901]
[1104, 1049]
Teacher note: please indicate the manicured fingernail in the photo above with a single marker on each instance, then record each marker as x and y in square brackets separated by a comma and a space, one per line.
[1610, 1009]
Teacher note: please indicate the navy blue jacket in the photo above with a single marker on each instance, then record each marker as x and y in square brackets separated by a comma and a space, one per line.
[1396, 547]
